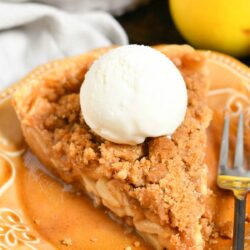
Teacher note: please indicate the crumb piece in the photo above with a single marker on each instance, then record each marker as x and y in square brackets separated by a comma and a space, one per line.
[122, 174]
[66, 242]
[128, 248]
[94, 239]
[226, 229]
[214, 235]
[213, 241]
[137, 244]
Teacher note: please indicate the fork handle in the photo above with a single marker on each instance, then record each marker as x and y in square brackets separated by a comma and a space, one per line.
[239, 224]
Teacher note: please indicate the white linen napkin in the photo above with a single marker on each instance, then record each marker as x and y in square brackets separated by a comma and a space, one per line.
[33, 33]
[116, 7]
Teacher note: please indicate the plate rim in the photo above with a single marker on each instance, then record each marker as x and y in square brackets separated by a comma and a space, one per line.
[218, 57]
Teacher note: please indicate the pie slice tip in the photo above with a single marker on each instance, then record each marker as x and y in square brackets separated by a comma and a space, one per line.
[158, 187]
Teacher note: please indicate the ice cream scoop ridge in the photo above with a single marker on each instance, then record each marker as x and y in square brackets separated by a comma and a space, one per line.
[131, 93]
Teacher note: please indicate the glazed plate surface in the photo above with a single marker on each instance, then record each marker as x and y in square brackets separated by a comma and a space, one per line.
[39, 212]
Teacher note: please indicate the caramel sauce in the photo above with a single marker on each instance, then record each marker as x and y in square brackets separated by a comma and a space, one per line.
[64, 219]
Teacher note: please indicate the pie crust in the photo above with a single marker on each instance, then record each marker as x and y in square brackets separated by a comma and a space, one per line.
[158, 187]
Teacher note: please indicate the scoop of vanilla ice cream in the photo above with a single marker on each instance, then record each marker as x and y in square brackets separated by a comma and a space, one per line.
[133, 92]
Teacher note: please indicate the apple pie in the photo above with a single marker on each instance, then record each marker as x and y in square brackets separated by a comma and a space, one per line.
[158, 187]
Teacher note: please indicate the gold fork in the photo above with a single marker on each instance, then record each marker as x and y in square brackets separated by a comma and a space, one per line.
[236, 179]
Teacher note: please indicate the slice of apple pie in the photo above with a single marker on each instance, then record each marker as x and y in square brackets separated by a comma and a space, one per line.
[158, 187]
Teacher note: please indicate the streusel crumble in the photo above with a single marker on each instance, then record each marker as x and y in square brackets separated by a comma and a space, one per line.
[160, 186]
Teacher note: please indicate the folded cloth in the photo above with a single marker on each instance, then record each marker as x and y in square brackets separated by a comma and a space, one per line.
[116, 7]
[32, 34]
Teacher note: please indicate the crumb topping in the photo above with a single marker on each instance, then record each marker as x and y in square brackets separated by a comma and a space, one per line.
[165, 175]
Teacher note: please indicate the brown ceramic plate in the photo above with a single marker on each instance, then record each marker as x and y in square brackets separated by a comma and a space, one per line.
[39, 212]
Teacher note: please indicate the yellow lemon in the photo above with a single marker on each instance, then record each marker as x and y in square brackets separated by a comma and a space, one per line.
[222, 25]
